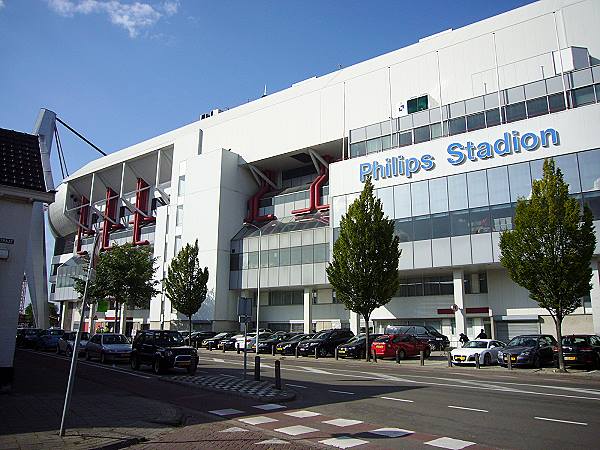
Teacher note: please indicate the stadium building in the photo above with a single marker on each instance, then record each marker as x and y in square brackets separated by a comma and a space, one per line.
[453, 129]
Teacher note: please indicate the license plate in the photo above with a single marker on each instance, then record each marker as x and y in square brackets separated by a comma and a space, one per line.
[570, 358]
[379, 346]
[279, 348]
[341, 351]
[460, 358]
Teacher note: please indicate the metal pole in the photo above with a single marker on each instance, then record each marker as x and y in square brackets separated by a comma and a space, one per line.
[258, 281]
[560, 59]
[449, 359]
[278, 374]
[422, 357]
[497, 76]
[397, 356]
[477, 365]
[257, 368]
[245, 340]
[509, 361]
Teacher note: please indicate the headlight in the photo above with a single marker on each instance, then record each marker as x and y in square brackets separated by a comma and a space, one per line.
[500, 354]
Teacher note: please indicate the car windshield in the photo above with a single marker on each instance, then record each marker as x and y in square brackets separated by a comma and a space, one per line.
[383, 339]
[169, 339]
[322, 335]
[476, 344]
[575, 340]
[114, 339]
[433, 330]
[356, 339]
[221, 335]
[523, 341]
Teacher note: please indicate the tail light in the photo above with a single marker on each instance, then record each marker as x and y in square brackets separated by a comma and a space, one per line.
[555, 349]
[586, 349]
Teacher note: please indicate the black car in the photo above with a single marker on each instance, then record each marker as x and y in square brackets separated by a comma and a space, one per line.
[529, 350]
[356, 347]
[267, 345]
[581, 350]
[214, 341]
[26, 337]
[426, 333]
[198, 337]
[324, 342]
[289, 347]
[162, 350]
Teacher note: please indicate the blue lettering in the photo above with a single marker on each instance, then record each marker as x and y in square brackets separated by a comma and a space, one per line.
[455, 151]
[502, 146]
[413, 165]
[365, 169]
[553, 134]
[471, 151]
[484, 150]
[427, 162]
[378, 170]
[530, 141]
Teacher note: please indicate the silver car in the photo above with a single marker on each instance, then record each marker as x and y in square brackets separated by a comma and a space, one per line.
[108, 347]
[67, 342]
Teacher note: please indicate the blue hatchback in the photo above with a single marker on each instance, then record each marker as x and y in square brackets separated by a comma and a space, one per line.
[48, 339]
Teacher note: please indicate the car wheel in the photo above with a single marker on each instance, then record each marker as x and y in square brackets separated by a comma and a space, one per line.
[102, 358]
[401, 354]
[135, 363]
[487, 359]
[322, 352]
[156, 367]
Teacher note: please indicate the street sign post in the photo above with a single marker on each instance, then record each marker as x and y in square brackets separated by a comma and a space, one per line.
[245, 315]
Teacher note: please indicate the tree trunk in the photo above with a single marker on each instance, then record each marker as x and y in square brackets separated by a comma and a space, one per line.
[190, 327]
[561, 361]
[367, 346]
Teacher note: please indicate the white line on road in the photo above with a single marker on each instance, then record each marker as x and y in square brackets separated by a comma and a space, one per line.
[218, 360]
[341, 392]
[296, 385]
[468, 409]
[397, 399]
[561, 421]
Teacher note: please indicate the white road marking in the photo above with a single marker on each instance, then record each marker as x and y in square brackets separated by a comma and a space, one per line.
[218, 360]
[296, 430]
[302, 414]
[257, 420]
[449, 443]
[226, 412]
[271, 442]
[341, 392]
[468, 409]
[561, 421]
[269, 407]
[391, 432]
[342, 422]
[397, 399]
[313, 370]
[343, 442]
[296, 385]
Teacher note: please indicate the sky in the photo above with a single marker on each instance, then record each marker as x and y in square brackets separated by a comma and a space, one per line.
[121, 72]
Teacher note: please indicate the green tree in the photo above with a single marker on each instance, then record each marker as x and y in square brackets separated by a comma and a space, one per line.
[124, 274]
[52, 315]
[186, 281]
[549, 250]
[364, 267]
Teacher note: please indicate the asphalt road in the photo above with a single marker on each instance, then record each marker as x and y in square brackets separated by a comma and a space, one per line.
[492, 408]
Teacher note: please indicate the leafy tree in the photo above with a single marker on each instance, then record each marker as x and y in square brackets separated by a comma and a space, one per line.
[364, 267]
[186, 281]
[549, 250]
[125, 274]
[52, 314]
[29, 315]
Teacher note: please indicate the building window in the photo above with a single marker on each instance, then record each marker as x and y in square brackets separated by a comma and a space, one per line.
[181, 185]
[281, 298]
[178, 244]
[417, 104]
[179, 216]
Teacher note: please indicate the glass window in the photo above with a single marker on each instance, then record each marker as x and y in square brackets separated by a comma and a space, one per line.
[536, 169]
[535, 89]
[459, 223]
[476, 121]
[440, 225]
[273, 258]
[386, 195]
[405, 139]
[457, 126]
[519, 178]
[374, 145]
[359, 134]
[583, 96]
[358, 149]
[436, 130]
[386, 142]
[284, 256]
[373, 131]
[502, 217]
[491, 100]
[457, 192]
[438, 195]
[515, 112]
[457, 109]
[554, 85]
[295, 255]
[581, 78]
[477, 188]
[492, 117]
[422, 228]
[570, 170]
[417, 104]
[253, 260]
[402, 207]
[264, 258]
[589, 168]
[556, 102]
[515, 95]
[480, 220]
[420, 198]
[385, 127]
[537, 107]
[406, 123]
[178, 244]
[181, 185]
[179, 216]
[431, 285]
[307, 254]
[421, 118]
[403, 228]
[446, 285]
[321, 253]
[435, 115]
[422, 134]
[498, 180]
[592, 201]
[474, 105]
[339, 209]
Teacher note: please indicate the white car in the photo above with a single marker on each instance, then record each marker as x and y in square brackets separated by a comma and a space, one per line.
[486, 348]
[251, 340]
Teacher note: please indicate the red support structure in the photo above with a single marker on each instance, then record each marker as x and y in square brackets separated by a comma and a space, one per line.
[254, 202]
[84, 212]
[315, 194]
[140, 219]
[110, 213]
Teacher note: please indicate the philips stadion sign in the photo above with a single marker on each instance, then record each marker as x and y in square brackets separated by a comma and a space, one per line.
[510, 143]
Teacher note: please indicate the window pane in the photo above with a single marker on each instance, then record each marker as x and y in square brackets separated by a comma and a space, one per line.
[421, 118]
[459, 223]
[273, 258]
[358, 135]
[515, 95]
[570, 170]
[179, 216]
[491, 100]
[431, 286]
[556, 102]
[440, 225]
[264, 258]
[403, 228]
[374, 145]
[457, 192]
[477, 188]
[253, 260]
[492, 117]
[307, 254]
[406, 123]
[589, 168]
[422, 228]
[498, 180]
[583, 96]
[436, 130]
[535, 89]
[581, 78]
[457, 109]
[537, 107]
[422, 134]
[386, 142]
[438, 195]
[476, 121]
[446, 285]
[358, 149]
[515, 112]
[321, 253]
[456, 126]
[181, 185]
[385, 127]
[339, 209]
[386, 195]
[373, 131]
[474, 105]
[284, 256]
[520, 181]
[402, 207]
[592, 201]
[405, 139]
[536, 169]
[295, 256]
[480, 220]
[420, 198]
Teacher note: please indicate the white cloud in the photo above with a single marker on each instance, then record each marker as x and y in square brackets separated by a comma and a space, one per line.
[132, 17]
[1, 4]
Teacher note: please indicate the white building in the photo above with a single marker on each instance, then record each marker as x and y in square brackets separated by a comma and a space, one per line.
[453, 128]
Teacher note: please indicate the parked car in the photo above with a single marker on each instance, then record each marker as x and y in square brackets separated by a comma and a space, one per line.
[487, 349]
[198, 337]
[26, 337]
[529, 350]
[48, 339]
[356, 346]
[215, 340]
[267, 345]
[230, 342]
[108, 347]
[289, 347]
[66, 343]
[163, 350]
[581, 350]
[426, 333]
[324, 342]
[250, 340]
[406, 345]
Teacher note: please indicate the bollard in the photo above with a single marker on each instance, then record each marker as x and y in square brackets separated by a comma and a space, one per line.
[210, 346]
[449, 359]
[316, 353]
[509, 361]
[374, 355]
[422, 357]
[223, 348]
[278, 374]
[397, 356]
[336, 354]
[477, 365]
[296, 351]
[273, 350]
[257, 368]
[238, 348]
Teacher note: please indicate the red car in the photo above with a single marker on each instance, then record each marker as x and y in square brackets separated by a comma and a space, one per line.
[406, 345]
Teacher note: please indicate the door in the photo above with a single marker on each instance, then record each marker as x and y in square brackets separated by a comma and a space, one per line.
[546, 349]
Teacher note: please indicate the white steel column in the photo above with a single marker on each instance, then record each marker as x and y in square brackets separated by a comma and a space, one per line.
[307, 310]
[354, 322]
[122, 321]
[595, 296]
[459, 300]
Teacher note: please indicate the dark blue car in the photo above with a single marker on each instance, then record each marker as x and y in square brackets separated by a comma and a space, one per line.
[48, 339]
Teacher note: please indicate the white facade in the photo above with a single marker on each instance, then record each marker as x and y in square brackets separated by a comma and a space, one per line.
[201, 177]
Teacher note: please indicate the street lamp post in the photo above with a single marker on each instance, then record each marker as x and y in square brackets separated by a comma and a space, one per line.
[258, 283]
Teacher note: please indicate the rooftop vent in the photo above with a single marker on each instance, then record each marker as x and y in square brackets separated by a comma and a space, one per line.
[214, 112]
